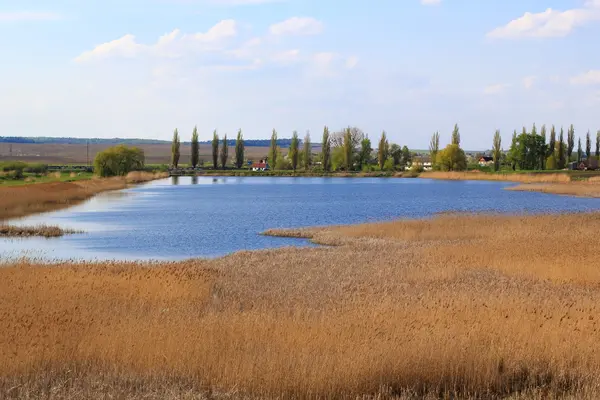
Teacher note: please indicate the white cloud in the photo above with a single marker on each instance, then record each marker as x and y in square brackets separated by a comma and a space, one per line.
[591, 77]
[297, 26]
[495, 89]
[243, 2]
[351, 62]
[169, 45]
[431, 2]
[18, 16]
[287, 57]
[549, 23]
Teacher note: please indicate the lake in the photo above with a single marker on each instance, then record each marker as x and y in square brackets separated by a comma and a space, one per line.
[185, 217]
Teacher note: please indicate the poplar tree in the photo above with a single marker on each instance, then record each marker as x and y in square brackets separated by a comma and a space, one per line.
[273, 149]
[552, 145]
[307, 152]
[175, 146]
[579, 151]
[543, 150]
[561, 150]
[588, 146]
[456, 135]
[195, 148]
[365, 152]
[239, 150]
[348, 149]
[326, 149]
[215, 150]
[570, 142]
[513, 151]
[434, 147]
[382, 151]
[293, 153]
[224, 152]
[497, 150]
[598, 144]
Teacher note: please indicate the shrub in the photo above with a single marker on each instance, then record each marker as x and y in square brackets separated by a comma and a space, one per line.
[551, 163]
[36, 168]
[13, 166]
[118, 161]
[388, 165]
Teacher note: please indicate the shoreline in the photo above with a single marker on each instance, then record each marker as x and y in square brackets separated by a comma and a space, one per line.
[21, 201]
[381, 303]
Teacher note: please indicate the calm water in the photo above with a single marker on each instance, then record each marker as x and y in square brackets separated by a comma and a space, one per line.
[208, 217]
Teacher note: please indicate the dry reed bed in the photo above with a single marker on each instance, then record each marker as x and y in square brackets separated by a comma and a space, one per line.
[29, 231]
[456, 307]
[30, 199]
[485, 176]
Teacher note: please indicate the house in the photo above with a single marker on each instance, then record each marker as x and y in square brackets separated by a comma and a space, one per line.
[262, 165]
[486, 161]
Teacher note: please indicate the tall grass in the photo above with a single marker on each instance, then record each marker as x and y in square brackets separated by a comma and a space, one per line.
[453, 307]
[28, 231]
[521, 178]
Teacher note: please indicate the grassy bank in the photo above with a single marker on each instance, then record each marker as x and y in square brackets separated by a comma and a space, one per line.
[29, 179]
[29, 231]
[452, 307]
[24, 200]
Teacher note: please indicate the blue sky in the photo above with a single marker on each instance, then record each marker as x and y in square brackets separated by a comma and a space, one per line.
[140, 68]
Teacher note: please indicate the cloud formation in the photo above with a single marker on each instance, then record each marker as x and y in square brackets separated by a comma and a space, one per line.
[549, 23]
[297, 26]
[431, 2]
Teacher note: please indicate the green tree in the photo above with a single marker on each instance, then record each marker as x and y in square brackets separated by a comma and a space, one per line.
[598, 144]
[338, 158]
[175, 153]
[326, 150]
[239, 150]
[273, 149]
[588, 146]
[497, 150]
[348, 146]
[215, 150]
[552, 145]
[406, 157]
[452, 158]
[434, 147]
[570, 142]
[383, 150]
[293, 154]
[543, 150]
[396, 154]
[364, 157]
[456, 135]
[224, 152]
[195, 148]
[118, 161]
[307, 152]
[513, 152]
[579, 151]
[561, 158]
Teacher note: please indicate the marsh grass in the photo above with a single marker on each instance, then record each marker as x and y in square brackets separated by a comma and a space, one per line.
[511, 177]
[30, 231]
[452, 307]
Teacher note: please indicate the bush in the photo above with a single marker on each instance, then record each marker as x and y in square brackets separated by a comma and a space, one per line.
[388, 165]
[13, 166]
[118, 161]
[551, 163]
[36, 168]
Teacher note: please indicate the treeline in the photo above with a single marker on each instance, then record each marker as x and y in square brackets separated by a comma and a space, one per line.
[538, 151]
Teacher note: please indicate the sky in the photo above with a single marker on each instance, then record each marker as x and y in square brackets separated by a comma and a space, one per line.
[141, 68]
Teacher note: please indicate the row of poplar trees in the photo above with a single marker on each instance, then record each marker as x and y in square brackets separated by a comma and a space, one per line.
[220, 153]
[532, 151]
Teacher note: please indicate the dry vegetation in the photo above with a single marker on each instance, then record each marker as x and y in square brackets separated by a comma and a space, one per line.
[486, 176]
[28, 231]
[546, 183]
[453, 307]
[30, 199]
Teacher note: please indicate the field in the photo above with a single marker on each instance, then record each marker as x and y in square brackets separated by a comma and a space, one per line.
[77, 153]
[457, 306]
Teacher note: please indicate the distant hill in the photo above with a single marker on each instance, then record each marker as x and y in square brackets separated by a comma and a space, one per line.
[132, 142]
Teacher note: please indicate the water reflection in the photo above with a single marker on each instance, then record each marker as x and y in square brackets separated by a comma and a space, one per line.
[194, 180]
[175, 180]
